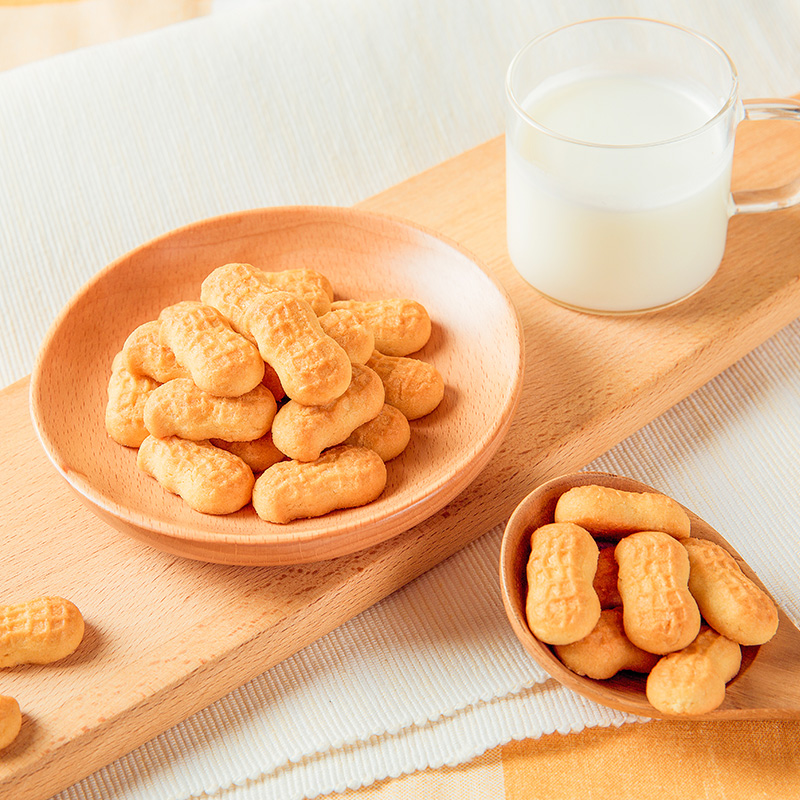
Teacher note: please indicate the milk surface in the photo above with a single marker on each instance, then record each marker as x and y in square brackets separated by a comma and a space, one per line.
[626, 206]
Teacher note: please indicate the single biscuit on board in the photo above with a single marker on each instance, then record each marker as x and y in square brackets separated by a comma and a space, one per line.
[659, 612]
[692, 681]
[180, 408]
[219, 360]
[561, 604]
[606, 650]
[356, 339]
[259, 454]
[210, 480]
[10, 720]
[400, 326]
[303, 432]
[146, 354]
[127, 397]
[39, 631]
[342, 477]
[412, 386]
[611, 512]
[388, 434]
[728, 600]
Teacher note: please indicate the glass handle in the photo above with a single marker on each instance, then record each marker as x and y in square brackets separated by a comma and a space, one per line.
[758, 200]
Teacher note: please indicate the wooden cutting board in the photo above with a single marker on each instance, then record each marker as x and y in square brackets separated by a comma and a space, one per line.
[166, 636]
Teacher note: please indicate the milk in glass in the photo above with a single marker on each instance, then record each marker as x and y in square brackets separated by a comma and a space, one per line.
[618, 194]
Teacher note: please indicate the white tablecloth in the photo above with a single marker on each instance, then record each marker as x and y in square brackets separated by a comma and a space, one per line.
[329, 102]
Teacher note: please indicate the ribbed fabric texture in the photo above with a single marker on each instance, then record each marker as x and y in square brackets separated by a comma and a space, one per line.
[329, 102]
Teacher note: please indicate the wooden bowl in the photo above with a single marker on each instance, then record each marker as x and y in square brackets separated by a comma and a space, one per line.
[765, 688]
[476, 345]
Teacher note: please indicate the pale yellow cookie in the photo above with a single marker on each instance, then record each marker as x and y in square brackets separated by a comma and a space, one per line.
[180, 408]
[400, 326]
[692, 681]
[388, 434]
[146, 354]
[303, 432]
[660, 614]
[219, 360]
[210, 480]
[307, 284]
[356, 339]
[127, 397]
[10, 720]
[606, 650]
[412, 386]
[39, 631]
[259, 454]
[611, 512]
[342, 477]
[728, 600]
[230, 289]
[561, 604]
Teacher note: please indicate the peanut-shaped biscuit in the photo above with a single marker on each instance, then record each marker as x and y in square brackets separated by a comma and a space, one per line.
[230, 289]
[307, 284]
[39, 631]
[728, 600]
[412, 386]
[400, 326]
[180, 408]
[219, 360]
[356, 339]
[605, 579]
[258, 454]
[606, 650]
[127, 397]
[692, 681]
[561, 605]
[342, 477]
[312, 368]
[210, 480]
[388, 434]
[611, 512]
[660, 613]
[303, 432]
[146, 354]
[10, 720]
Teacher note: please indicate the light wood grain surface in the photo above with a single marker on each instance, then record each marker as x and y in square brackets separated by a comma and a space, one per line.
[167, 636]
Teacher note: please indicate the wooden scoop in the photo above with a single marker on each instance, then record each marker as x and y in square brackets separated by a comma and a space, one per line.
[768, 683]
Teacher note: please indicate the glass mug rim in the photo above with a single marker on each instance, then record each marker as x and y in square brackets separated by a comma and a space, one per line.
[730, 101]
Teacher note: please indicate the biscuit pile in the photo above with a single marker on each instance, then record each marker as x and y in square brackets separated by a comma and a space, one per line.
[617, 582]
[268, 375]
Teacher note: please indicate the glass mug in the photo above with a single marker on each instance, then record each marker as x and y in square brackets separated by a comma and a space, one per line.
[619, 144]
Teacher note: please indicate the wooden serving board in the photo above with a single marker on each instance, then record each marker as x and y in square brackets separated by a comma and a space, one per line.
[166, 636]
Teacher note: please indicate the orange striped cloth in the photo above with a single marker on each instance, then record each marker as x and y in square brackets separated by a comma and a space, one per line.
[673, 761]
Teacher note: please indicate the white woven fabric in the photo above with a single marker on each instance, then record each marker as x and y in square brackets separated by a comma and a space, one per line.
[329, 102]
